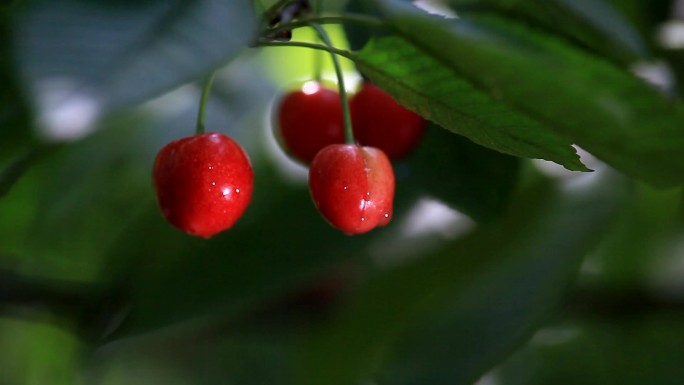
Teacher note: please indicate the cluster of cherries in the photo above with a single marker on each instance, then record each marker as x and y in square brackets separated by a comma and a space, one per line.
[204, 182]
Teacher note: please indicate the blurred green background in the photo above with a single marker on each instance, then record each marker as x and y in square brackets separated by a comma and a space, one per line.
[495, 270]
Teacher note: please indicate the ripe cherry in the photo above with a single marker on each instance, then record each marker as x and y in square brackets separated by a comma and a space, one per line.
[352, 187]
[204, 183]
[379, 121]
[308, 120]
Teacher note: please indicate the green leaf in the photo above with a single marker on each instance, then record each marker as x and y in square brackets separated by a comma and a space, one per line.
[124, 54]
[594, 24]
[478, 182]
[359, 34]
[620, 350]
[34, 352]
[17, 168]
[450, 316]
[580, 97]
[637, 243]
[435, 91]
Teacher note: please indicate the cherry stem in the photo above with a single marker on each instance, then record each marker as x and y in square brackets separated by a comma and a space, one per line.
[206, 90]
[318, 55]
[336, 51]
[348, 132]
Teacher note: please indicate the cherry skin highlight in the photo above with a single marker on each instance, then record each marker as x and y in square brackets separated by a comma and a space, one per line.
[352, 187]
[204, 183]
[379, 121]
[309, 119]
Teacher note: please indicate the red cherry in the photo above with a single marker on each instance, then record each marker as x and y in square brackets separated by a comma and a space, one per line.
[352, 187]
[379, 121]
[204, 183]
[310, 119]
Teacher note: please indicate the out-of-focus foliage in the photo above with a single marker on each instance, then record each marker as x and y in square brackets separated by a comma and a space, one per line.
[495, 264]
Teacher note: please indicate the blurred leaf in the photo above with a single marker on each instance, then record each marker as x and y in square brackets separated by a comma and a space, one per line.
[595, 24]
[35, 353]
[448, 317]
[202, 352]
[604, 110]
[647, 349]
[279, 243]
[424, 85]
[17, 168]
[359, 34]
[122, 55]
[86, 195]
[646, 16]
[478, 182]
[638, 240]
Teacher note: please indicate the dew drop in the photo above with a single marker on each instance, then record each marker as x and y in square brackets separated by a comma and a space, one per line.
[386, 215]
[237, 190]
[213, 183]
[363, 219]
[346, 187]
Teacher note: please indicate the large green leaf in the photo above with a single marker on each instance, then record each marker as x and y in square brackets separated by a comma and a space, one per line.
[450, 316]
[620, 350]
[35, 353]
[580, 97]
[640, 239]
[594, 24]
[122, 55]
[435, 91]
[478, 182]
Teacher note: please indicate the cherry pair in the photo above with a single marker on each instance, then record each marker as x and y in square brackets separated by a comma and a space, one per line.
[311, 118]
[204, 183]
[351, 185]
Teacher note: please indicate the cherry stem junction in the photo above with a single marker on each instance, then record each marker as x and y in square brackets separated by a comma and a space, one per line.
[348, 133]
[201, 113]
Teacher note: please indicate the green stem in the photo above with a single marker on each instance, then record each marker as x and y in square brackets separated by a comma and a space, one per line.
[318, 55]
[348, 133]
[318, 66]
[332, 50]
[206, 90]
